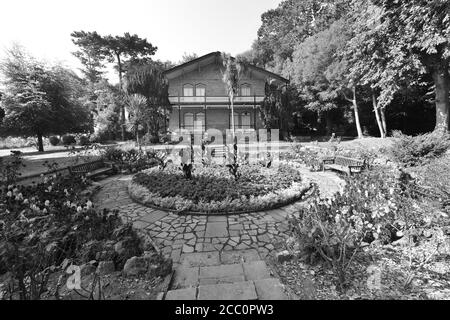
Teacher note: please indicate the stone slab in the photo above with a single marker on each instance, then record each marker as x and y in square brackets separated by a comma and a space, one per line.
[239, 256]
[256, 270]
[185, 277]
[270, 289]
[216, 230]
[200, 259]
[181, 294]
[234, 291]
[222, 271]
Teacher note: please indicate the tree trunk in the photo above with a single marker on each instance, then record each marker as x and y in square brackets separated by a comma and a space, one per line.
[328, 123]
[232, 115]
[441, 79]
[377, 116]
[122, 106]
[40, 143]
[383, 120]
[355, 108]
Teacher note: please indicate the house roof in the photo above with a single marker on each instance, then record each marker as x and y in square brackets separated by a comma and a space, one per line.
[211, 58]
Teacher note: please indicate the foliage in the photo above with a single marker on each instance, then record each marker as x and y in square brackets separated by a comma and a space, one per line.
[10, 166]
[43, 225]
[68, 139]
[380, 205]
[83, 140]
[54, 140]
[187, 169]
[210, 189]
[19, 142]
[41, 100]
[146, 79]
[131, 160]
[412, 151]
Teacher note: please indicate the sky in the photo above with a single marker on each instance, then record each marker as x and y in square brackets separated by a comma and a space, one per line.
[43, 27]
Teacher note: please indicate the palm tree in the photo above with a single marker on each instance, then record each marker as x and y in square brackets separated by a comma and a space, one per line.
[137, 107]
[231, 77]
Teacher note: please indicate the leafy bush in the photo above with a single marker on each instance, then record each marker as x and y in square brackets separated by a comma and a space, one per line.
[44, 224]
[310, 157]
[18, 142]
[68, 139]
[150, 139]
[83, 140]
[212, 189]
[54, 140]
[10, 166]
[380, 205]
[412, 151]
[130, 160]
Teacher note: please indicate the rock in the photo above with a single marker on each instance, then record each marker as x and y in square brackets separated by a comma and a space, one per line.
[87, 269]
[284, 256]
[161, 269]
[106, 267]
[135, 266]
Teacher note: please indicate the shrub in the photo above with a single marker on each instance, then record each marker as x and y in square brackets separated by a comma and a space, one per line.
[68, 139]
[413, 151]
[381, 205]
[131, 160]
[83, 140]
[150, 139]
[212, 189]
[54, 140]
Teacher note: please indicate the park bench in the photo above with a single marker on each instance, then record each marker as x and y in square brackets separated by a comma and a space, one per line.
[343, 164]
[218, 151]
[92, 169]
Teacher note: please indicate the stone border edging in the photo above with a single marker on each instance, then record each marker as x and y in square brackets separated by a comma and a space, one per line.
[304, 195]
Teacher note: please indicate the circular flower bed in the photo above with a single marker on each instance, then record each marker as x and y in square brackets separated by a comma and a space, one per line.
[213, 189]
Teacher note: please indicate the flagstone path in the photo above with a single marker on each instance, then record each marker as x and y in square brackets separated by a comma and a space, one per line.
[214, 256]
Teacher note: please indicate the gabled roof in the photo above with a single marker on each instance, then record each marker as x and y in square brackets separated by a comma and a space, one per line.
[212, 58]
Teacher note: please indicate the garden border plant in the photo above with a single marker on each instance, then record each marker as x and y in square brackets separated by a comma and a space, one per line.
[222, 205]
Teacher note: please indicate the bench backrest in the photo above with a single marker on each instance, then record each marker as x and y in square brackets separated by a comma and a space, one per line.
[89, 166]
[344, 161]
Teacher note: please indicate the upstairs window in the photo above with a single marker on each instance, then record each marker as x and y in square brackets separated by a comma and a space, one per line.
[200, 90]
[245, 90]
[188, 90]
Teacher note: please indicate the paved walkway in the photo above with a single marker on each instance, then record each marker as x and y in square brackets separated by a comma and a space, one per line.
[210, 242]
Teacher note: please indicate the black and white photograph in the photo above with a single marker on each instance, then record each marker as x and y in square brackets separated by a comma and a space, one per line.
[225, 158]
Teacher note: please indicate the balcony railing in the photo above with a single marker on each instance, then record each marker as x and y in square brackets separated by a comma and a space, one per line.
[211, 99]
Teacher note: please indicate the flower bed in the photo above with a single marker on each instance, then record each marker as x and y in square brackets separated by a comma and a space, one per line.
[213, 190]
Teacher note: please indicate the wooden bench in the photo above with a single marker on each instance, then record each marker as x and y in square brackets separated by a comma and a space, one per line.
[218, 151]
[92, 169]
[343, 164]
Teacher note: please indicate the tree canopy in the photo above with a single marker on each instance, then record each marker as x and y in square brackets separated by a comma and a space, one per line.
[40, 100]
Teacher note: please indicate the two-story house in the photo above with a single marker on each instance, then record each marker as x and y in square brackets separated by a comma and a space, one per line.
[199, 98]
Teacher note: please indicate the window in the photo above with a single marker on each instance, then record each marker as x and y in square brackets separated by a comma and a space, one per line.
[245, 120]
[236, 121]
[245, 90]
[200, 121]
[189, 121]
[188, 90]
[200, 90]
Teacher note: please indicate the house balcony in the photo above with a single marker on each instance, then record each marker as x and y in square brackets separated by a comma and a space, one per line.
[218, 100]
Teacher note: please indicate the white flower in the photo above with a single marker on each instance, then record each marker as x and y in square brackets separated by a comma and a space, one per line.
[79, 209]
[10, 187]
[26, 201]
[89, 204]
[9, 194]
[44, 211]
[47, 203]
